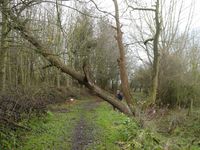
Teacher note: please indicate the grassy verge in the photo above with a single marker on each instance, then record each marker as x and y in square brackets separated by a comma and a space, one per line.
[116, 131]
[185, 134]
[112, 130]
[53, 131]
[109, 124]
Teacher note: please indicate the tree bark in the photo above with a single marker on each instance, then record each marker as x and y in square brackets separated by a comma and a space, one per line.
[122, 61]
[18, 25]
[3, 50]
[156, 59]
[58, 39]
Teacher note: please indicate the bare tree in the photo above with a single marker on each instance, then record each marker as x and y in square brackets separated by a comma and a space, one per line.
[163, 29]
[4, 45]
[156, 58]
[122, 60]
[156, 53]
[17, 24]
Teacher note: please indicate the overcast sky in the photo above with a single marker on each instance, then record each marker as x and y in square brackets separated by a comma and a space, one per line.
[196, 22]
[128, 26]
[108, 6]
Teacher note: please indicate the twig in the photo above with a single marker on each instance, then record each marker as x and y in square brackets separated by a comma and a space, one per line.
[15, 125]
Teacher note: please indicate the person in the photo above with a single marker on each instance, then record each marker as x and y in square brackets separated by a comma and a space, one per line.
[119, 95]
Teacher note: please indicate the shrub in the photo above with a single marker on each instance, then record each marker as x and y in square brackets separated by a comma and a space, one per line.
[19, 104]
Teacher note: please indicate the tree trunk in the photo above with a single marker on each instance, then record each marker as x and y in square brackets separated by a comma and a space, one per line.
[58, 39]
[4, 45]
[122, 61]
[156, 59]
[55, 61]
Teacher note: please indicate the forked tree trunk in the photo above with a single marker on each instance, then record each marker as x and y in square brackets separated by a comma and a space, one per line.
[55, 61]
[122, 61]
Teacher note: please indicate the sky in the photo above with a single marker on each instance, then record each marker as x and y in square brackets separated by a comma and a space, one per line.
[196, 22]
[128, 27]
[107, 5]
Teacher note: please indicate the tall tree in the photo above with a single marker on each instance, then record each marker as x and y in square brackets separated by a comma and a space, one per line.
[155, 29]
[80, 41]
[105, 57]
[122, 60]
[4, 44]
[156, 58]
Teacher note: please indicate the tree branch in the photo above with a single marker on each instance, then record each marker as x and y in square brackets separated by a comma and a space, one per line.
[14, 124]
[148, 40]
[142, 9]
[103, 11]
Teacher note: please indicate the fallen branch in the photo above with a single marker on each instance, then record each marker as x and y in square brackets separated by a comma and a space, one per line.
[14, 124]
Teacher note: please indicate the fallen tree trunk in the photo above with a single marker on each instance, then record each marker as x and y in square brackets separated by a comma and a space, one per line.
[19, 25]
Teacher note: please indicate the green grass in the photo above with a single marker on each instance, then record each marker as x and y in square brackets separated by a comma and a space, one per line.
[109, 124]
[186, 135]
[112, 130]
[53, 131]
[117, 129]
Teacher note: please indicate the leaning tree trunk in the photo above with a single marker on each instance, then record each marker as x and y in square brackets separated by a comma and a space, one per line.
[122, 61]
[156, 59]
[18, 25]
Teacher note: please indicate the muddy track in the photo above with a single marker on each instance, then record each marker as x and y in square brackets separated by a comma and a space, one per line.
[83, 134]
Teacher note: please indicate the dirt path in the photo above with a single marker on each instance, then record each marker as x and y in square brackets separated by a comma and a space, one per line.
[83, 134]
